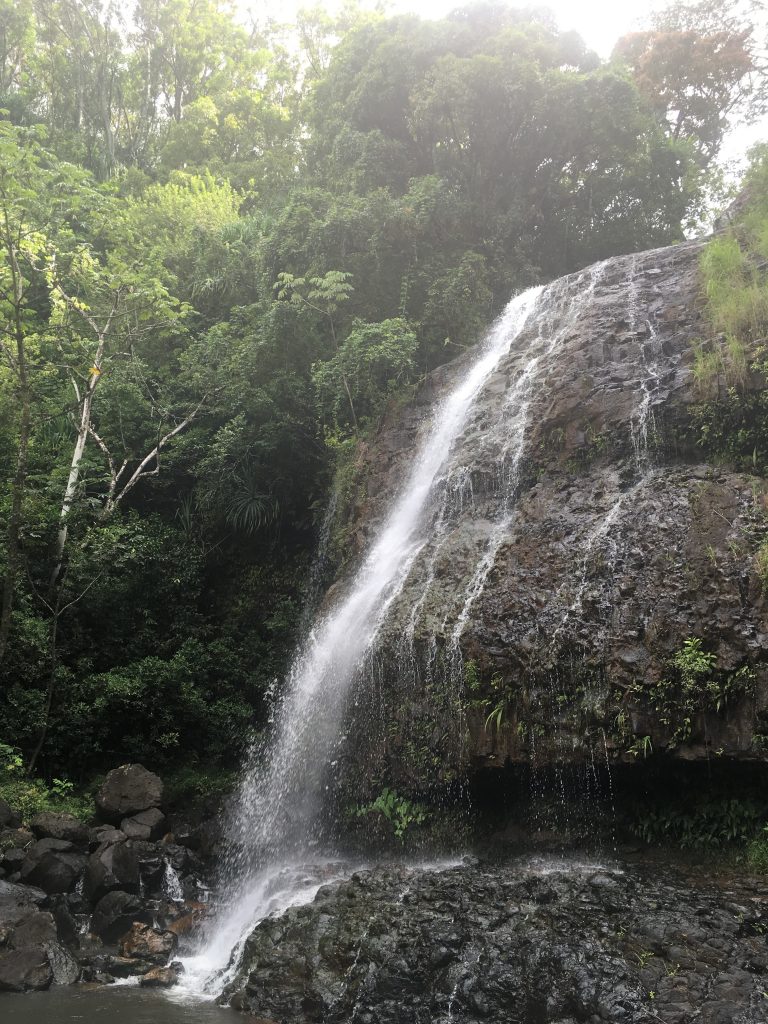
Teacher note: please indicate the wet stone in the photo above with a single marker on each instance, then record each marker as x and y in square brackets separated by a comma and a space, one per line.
[498, 944]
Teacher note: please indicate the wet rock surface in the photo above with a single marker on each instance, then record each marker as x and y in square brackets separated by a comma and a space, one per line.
[525, 942]
[72, 894]
[143, 942]
[577, 539]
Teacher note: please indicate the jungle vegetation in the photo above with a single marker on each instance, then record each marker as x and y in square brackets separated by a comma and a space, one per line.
[225, 247]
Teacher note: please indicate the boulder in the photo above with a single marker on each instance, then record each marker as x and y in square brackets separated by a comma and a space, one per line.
[94, 977]
[8, 817]
[60, 826]
[64, 968]
[23, 970]
[18, 902]
[36, 930]
[20, 837]
[115, 913]
[128, 790]
[52, 864]
[110, 868]
[105, 835]
[143, 943]
[125, 966]
[146, 825]
[163, 977]
[13, 859]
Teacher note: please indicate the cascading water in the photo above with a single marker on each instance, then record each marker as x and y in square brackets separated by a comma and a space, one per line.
[282, 819]
[277, 818]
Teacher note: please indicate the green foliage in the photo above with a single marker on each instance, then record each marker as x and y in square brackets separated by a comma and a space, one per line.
[401, 813]
[731, 422]
[196, 783]
[695, 686]
[30, 796]
[757, 853]
[374, 362]
[693, 663]
[761, 564]
[700, 825]
[736, 292]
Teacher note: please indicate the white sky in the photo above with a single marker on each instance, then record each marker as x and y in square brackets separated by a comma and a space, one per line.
[599, 22]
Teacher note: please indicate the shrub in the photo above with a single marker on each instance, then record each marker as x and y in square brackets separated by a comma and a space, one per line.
[30, 796]
[401, 813]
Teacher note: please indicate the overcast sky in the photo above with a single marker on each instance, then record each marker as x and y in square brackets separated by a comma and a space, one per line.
[600, 22]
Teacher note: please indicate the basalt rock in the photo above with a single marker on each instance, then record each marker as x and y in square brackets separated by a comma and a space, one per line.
[64, 967]
[25, 970]
[532, 942]
[36, 930]
[147, 825]
[127, 790]
[60, 826]
[112, 867]
[144, 943]
[162, 977]
[53, 864]
[105, 835]
[18, 902]
[126, 967]
[115, 913]
[574, 544]
[8, 817]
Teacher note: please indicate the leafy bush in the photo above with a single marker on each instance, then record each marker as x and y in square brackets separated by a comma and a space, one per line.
[693, 687]
[30, 796]
[757, 854]
[708, 825]
[401, 813]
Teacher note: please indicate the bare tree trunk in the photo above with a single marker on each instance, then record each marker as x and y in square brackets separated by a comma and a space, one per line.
[83, 430]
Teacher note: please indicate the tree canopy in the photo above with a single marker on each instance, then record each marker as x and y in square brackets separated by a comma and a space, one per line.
[225, 249]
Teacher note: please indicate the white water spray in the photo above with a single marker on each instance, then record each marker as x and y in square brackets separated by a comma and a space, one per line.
[280, 797]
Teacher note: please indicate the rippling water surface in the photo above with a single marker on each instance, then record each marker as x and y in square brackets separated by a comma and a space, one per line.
[124, 1004]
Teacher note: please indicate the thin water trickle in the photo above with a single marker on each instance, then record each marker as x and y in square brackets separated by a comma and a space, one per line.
[172, 887]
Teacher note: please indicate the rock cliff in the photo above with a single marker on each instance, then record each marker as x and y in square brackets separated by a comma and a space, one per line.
[590, 577]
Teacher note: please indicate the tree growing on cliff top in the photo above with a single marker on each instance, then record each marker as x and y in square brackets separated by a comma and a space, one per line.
[697, 70]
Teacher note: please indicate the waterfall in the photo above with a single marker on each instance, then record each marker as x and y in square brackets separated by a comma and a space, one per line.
[280, 820]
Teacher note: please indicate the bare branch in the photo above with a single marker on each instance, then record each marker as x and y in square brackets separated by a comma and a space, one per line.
[82, 594]
[141, 470]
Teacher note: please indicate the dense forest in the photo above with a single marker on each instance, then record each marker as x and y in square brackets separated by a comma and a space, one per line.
[225, 249]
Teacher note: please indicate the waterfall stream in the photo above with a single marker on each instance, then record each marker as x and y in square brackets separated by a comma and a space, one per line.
[279, 825]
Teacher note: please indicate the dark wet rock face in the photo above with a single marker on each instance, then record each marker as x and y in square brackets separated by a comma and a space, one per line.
[110, 868]
[547, 944]
[566, 564]
[52, 864]
[115, 913]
